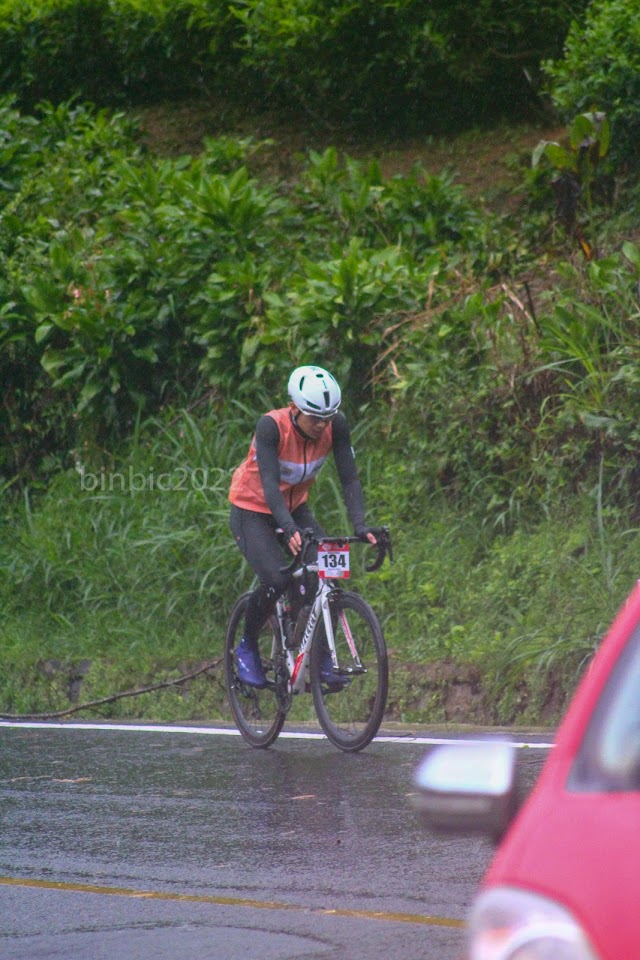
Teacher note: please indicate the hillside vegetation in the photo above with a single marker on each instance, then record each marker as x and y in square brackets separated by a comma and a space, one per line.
[155, 297]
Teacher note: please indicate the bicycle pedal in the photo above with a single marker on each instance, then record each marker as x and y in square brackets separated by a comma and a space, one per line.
[335, 686]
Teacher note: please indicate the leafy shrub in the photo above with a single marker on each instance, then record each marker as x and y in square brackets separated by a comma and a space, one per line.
[418, 211]
[355, 58]
[19, 148]
[600, 70]
[40, 191]
[109, 52]
[339, 310]
[129, 277]
[553, 395]
[163, 48]
[402, 61]
[590, 344]
[114, 304]
[47, 226]
[578, 174]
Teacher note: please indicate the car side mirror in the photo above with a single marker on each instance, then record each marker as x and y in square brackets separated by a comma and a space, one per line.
[468, 788]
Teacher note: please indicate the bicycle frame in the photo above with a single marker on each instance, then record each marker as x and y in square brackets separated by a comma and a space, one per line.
[298, 665]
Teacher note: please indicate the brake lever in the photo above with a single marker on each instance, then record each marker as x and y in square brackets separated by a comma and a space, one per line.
[384, 548]
[307, 539]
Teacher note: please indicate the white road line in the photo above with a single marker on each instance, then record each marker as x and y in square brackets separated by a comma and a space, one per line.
[231, 732]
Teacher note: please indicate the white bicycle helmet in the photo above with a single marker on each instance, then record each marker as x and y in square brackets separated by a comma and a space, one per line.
[314, 391]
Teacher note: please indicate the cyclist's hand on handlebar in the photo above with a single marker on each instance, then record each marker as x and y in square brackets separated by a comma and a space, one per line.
[366, 534]
[295, 543]
[293, 539]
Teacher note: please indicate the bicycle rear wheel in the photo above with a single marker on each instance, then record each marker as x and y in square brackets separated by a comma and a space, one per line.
[350, 710]
[257, 712]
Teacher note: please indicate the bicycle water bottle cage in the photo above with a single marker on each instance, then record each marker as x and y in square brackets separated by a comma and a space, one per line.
[301, 624]
[289, 625]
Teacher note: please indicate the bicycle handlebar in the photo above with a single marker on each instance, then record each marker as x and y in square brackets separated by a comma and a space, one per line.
[382, 545]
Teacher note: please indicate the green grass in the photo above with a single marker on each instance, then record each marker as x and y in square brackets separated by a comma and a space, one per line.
[140, 584]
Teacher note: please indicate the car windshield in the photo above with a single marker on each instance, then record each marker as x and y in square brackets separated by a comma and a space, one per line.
[609, 757]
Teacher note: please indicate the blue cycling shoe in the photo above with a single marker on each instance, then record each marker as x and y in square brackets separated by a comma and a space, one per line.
[249, 665]
[327, 674]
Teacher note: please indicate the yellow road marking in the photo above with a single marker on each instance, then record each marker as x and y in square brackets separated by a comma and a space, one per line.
[230, 902]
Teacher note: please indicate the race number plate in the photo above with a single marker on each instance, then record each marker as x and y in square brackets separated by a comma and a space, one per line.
[333, 560]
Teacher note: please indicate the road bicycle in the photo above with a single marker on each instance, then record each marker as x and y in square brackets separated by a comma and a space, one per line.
[335, 626]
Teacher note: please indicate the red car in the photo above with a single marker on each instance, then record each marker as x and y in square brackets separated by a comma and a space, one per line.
[564, 883]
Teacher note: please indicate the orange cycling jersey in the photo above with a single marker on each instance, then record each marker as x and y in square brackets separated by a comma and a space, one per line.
[299, 459]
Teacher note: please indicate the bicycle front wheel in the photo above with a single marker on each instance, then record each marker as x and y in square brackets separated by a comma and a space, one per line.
[257, 712]
[351, 706]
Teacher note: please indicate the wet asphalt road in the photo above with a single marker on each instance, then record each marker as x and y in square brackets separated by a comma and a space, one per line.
[157, 846]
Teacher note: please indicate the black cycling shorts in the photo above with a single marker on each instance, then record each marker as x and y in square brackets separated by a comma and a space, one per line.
[255, 535]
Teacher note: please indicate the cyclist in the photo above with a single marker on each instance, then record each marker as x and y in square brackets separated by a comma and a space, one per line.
[269, 491]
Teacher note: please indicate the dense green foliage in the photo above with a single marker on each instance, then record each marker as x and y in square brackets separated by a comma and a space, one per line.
[369, 59]
[126, 50]
[600, 70]
[401, 62]
[126, 278]
[152, 309]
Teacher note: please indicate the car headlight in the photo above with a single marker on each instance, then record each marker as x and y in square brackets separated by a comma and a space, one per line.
[510, 924]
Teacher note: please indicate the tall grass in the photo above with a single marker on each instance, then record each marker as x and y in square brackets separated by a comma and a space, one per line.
[138, 583]
[130, 562]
